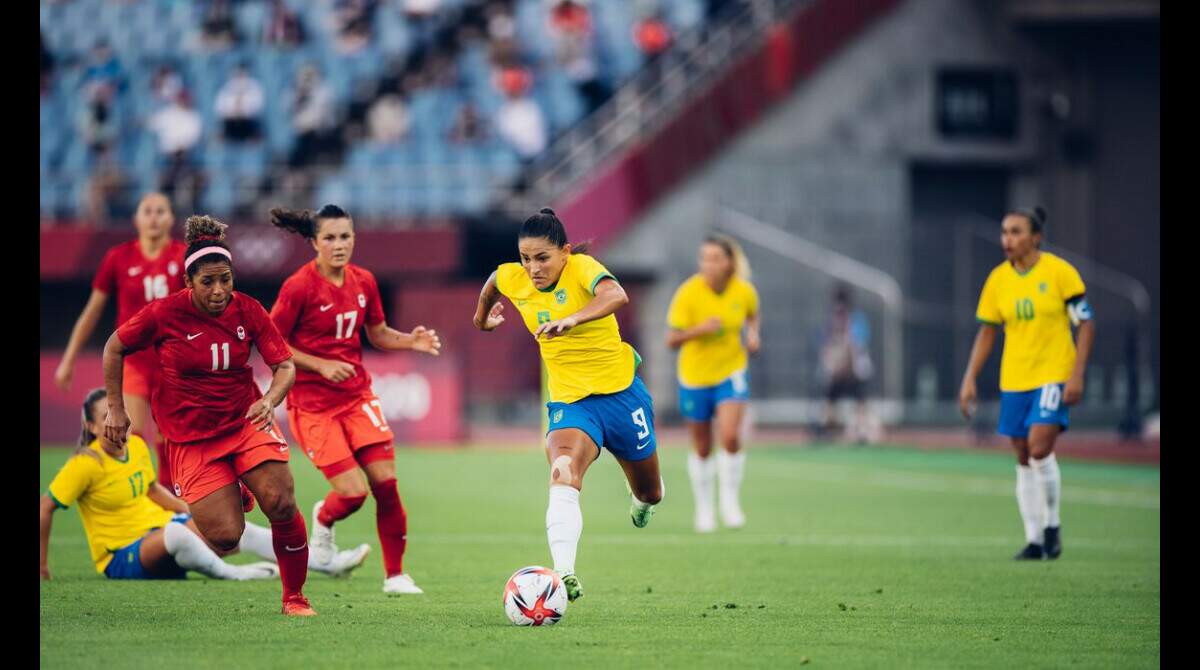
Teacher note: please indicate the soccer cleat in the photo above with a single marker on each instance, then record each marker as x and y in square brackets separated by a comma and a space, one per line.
[705, 522]
[731, 512]
[247, 498]
[298, 605]
[639, 512]
[349, 559]
[320, 546]
[401, 583]
[259, 570]
[574, 587]
[1031, 552]
[1053, 542]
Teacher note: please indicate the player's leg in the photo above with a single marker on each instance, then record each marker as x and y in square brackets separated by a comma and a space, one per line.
[1043, 434]
[1014, 410]
[271, 483]
[570, 451]
[391, 519]
[322, 438]
[645, 482]
[702, 471]
[168, 551]
[731, 461]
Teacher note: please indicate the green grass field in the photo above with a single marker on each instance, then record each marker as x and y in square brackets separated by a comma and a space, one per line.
[852, 557]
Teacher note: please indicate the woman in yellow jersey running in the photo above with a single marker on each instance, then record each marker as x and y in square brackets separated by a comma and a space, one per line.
[708, 315]
[136, 529]
[567, 300]
[1037, 297]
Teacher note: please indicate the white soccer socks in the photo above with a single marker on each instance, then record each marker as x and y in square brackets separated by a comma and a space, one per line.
[257, 540]
[564, 525]
[1045, 471]
[1031, 501]
[729, 471]
[702, 472]
[191, 553]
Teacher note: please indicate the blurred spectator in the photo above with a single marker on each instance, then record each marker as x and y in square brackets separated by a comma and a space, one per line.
[103, 69]
[283, 26]
[500, 22]
[239, 105]
[47, 64]
[179, 128]
[354, 19]
[846, 366]
[166, 85]
[570, 26]
[652, 35]
[388, 119]
[520, 122]
[107, 194]
[218, 31]
[312, 118]
[97, 120]
[422, 19]
[512, 80]
[468, 127]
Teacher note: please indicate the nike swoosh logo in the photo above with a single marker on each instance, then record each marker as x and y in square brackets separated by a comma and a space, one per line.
[192, 337]
[643, 446]
[326, 308]
[295, 548]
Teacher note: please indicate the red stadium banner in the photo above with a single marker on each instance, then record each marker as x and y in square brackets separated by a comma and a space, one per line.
[422, 396]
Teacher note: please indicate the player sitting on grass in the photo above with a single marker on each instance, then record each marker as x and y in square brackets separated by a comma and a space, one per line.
[567, 300]
[122, 505]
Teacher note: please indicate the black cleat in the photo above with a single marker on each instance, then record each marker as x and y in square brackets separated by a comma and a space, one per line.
[1031, 552]
[1053, 543]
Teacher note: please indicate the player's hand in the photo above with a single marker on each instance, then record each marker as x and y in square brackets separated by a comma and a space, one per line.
[261, 413]
[45, 570]
[1073, 392]
[116, 426]
[966, 398]
[427, 341]
[753, 342]
[494, 317]
[709, 326]
[552, 329]
[63, 374]
[337, 371]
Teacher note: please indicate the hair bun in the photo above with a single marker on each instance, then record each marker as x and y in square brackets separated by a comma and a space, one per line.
[547, 210]
[204, 228]
[1040, 213]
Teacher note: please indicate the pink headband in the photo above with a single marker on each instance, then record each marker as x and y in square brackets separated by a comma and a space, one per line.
[204, 252]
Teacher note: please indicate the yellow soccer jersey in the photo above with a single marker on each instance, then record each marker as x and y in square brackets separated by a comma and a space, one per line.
[710, 360]
[112, 497]
[1032, 307]
[588, 359]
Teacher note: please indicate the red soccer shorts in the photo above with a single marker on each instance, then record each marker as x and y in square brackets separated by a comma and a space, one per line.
[201, 467]
[139, 374]
[344, 437]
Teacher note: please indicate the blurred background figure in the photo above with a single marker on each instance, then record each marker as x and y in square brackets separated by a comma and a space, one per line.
[283, 27]
[218, 30]
[239, 104]
[846, 368]
[179, 128]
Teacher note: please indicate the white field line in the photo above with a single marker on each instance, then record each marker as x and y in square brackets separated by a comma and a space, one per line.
[930, 483]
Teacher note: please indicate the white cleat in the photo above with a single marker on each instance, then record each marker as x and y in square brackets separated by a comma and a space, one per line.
[732, 517]
[321, 548]
[705, 522]
[401, 583]
[345, 561]
[259, 570]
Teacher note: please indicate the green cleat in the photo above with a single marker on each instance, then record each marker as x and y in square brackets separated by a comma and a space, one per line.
[574, 588]
[639, 511]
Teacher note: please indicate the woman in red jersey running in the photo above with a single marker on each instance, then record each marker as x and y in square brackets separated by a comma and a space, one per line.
[137, 272]
[332, 410]
[218, 425]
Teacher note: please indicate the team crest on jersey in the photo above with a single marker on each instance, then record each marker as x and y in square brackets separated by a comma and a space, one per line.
[362, 300]
[172, 268]
[241, 334]
[1042, 287]
[178, 491]
[557, 416]
[560, 295]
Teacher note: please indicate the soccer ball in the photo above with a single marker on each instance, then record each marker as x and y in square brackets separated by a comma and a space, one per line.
[535, 596]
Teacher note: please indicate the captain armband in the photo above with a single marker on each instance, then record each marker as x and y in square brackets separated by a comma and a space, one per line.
[1079, 310]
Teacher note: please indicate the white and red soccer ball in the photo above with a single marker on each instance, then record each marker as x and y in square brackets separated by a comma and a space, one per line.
[535, 596]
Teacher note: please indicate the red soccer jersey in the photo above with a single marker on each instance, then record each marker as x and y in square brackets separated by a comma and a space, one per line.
[322, 320]
[137, 281]
[205, 383]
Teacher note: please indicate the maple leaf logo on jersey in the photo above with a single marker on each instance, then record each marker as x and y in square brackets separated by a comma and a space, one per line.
[241, 333]
[362, 300]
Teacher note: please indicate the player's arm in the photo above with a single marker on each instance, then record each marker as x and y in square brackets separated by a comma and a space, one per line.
[753, 337]
[262, 412]
[608, 298]
[85, 325]
[332, 370]
[677, 336]
[489, 308]
[1081, 315]
[383, 336]
[166, 500]
[47, 516]
[985, 339]
[116, 424]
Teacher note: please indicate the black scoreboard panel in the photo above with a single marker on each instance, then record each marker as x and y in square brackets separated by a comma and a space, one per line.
[976, 103]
